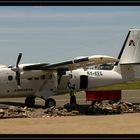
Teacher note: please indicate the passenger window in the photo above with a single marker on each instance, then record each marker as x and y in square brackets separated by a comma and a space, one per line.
[29, 78]
[42, 77]
[10, 77]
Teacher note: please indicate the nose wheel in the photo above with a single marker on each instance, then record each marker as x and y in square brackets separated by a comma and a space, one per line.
[50, 102]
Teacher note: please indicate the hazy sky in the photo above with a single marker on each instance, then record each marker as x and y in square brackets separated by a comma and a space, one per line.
[59, 33]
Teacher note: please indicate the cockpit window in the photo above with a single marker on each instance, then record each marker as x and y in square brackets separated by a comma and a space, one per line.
[102, 67]
[105, 67]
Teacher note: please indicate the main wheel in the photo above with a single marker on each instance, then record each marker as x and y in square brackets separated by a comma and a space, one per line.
[50, 102]
[30, 101]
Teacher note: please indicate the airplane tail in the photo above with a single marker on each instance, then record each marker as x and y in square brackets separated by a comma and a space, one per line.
[130, 52]
[129, 57]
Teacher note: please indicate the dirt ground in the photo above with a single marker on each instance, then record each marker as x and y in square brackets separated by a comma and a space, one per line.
[101, 124]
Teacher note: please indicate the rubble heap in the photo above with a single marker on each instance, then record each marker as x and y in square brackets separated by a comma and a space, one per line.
[113, 108]
[68, 110]
[20, 112]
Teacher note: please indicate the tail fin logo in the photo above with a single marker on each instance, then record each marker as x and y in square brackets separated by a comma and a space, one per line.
[131, 42]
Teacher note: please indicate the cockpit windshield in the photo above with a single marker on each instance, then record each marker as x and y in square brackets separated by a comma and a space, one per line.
[102, 67]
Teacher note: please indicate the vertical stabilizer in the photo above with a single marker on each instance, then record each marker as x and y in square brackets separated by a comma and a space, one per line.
[129, 57]
[130, 53]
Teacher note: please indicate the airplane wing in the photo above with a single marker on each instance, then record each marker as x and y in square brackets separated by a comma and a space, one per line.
[78, 62]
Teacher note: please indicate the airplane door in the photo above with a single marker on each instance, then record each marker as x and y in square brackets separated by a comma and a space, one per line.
[63, 83]
[83, 81]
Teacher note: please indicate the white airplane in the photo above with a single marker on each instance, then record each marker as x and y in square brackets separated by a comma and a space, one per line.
[48, 79]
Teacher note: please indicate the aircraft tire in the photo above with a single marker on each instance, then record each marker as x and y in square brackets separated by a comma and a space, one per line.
[30, 101]
[50, 102]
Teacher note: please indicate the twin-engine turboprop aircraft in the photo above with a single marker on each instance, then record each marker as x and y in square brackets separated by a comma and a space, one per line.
[48, 79]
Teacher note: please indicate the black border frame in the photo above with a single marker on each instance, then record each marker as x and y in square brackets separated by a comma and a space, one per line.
[70, 3]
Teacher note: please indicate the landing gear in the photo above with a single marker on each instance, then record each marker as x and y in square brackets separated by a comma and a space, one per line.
[50, 102]
[30, 101]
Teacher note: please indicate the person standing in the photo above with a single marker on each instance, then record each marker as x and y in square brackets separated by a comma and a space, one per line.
[72, 91]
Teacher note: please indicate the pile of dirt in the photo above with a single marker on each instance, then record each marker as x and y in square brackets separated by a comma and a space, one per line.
[112, 108]
[68, 110]
[20, 112]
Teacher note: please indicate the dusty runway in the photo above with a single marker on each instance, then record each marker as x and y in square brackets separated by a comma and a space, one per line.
[102, 124]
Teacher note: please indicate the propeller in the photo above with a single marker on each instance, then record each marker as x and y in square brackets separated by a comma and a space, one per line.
[17, 70]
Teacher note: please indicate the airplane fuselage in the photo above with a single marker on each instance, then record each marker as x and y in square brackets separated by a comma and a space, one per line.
[38, 82]
[31, 82]
[90, 79]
